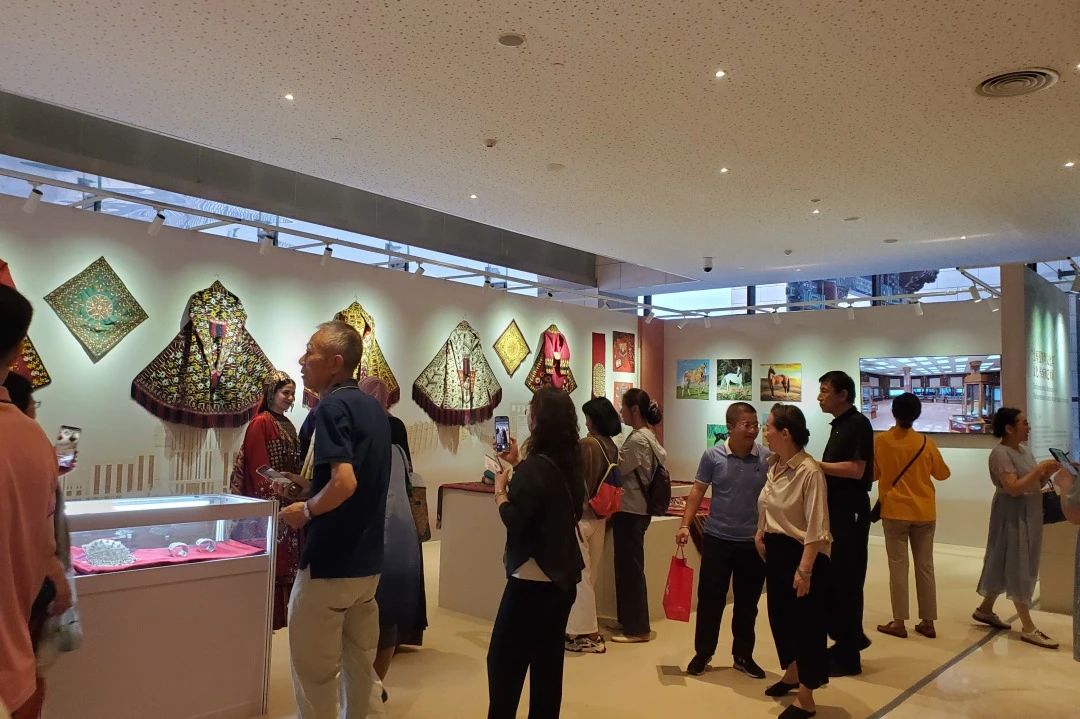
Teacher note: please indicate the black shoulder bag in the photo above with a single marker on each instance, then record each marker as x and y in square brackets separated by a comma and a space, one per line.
[875, 513]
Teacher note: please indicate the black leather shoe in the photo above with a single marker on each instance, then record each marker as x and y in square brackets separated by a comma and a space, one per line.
[844, 669]
[697, 665]
[747, 666]
[780, 689]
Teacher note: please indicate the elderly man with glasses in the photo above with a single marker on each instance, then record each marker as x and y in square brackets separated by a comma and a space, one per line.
[735, 470]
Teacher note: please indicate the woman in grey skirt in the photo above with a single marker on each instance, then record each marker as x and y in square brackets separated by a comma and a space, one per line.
[1014, 542]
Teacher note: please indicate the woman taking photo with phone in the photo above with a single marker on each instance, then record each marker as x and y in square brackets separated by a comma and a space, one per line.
[270, 440]
[540, 507]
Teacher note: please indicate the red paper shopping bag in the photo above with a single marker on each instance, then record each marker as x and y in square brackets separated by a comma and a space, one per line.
[679, 589]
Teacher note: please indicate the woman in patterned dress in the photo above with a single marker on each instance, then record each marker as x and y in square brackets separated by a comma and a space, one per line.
[271, 440]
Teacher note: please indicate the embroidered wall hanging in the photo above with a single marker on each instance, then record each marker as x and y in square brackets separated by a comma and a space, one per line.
[623, 352]
[511, 348]
[552, 364]
[599, 369]
[458, 387]
[97, 308]
[373, 363]
[29, 363]
[211, 374]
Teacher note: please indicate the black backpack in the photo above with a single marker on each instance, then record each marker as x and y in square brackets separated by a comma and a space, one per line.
[658, 493]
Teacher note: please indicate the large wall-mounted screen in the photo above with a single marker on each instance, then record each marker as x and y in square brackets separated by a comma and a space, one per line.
[959, 393]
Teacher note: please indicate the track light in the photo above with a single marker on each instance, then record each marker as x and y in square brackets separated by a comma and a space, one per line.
[708, 322]
[157, 223]
[33, 199]
[850, 312]
[266, 240]
[419, 269]
[995, 305]
[776, 318]
[327, 253]
[648, 317]
[606, 305]
[919, 312]
[681, 324]
[975, 296]
[1076, 284]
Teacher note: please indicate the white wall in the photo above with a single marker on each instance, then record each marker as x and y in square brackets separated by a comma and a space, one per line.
[824, 341]
[285, 294]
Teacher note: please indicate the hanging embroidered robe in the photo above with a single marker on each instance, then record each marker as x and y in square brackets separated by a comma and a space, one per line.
[29, 363]
[552, 364]
[211, 374]
[458, 387]
[372, 363]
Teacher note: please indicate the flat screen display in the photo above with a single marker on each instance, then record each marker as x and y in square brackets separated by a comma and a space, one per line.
[959, 393]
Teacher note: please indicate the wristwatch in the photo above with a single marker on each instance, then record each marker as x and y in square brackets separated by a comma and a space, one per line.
[307, 512]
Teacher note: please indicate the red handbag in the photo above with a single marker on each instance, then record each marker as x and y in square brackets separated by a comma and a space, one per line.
[679, 588]
[608, 497]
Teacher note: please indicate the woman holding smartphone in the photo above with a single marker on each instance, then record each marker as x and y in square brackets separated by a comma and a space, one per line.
[270, 440]
[540, 509]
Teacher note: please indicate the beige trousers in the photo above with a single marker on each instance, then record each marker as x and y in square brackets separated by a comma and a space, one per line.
[898, 532]
[333, 637]
[583, 613]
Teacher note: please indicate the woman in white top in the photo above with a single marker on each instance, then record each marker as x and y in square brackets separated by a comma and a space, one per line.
[794, 540]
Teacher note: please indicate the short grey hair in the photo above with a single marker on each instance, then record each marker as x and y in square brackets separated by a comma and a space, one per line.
[342, 339]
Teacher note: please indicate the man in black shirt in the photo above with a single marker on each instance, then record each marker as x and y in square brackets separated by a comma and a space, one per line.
[848, 463]
[333, 617]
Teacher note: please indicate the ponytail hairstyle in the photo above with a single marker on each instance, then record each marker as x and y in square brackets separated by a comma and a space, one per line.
[650, 411]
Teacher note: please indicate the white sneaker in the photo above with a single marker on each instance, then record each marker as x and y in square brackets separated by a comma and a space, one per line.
[1039, 639]
[631, 638]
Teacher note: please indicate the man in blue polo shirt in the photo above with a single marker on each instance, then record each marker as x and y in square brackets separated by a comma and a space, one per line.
[333, 617]
[735, 470]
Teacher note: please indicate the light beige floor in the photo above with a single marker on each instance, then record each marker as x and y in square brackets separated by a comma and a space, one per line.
[1003, 678]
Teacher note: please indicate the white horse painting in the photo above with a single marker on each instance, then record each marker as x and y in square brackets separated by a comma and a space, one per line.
[732, 379]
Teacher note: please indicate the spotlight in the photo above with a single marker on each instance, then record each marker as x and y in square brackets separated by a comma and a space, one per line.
[327, 253]
[919, 311]
[157, 223]
[708, 322]
[681, 324]
[850, 312]
[975, 296]
[33, 199]
[606, 305]
[266, 241]
[648, 317]
[1076, 284]
[419, 269]
[995, 305]
[776, 318]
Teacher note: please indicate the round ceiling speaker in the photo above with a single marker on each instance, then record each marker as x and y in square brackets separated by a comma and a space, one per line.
[1017, 82]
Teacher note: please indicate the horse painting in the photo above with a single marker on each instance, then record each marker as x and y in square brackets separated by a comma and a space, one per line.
[692, 379]
[778, 380]
[732, 379]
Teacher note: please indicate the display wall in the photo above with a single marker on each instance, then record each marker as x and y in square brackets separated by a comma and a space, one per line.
[802, 348]
[127, 451]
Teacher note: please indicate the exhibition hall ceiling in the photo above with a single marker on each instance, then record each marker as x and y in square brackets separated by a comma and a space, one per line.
[611, 129]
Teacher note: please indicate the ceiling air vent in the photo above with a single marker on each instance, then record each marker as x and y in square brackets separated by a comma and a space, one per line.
[1018, 82]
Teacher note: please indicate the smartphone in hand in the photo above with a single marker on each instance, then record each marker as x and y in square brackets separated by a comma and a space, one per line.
[267, 472]
[502, 434]
[67, 446]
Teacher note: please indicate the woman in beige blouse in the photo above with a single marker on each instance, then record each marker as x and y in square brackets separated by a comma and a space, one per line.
[793, 538]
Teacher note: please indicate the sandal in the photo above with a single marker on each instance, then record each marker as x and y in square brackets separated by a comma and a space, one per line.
[893, 631]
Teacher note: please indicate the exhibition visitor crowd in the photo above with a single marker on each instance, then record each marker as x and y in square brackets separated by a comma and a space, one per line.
[349, 579]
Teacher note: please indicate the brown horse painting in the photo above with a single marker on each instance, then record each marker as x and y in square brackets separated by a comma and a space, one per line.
[695, 376]
[778, 380]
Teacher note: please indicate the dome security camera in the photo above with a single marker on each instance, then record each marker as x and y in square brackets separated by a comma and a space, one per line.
[706, 264]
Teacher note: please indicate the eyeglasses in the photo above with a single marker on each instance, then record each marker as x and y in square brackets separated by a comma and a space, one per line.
[748, 425]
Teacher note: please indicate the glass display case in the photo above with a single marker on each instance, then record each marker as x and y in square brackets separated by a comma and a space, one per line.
[169, 587]
[112, 535]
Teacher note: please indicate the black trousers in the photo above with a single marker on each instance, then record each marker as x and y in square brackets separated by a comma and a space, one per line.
[528, 636]
[631, 592]
[798, 625]
[723, 560]
[849, 521]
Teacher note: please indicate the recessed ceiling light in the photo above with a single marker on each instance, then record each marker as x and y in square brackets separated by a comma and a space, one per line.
[720, 74]
[723, 170]
[815, 212]
[890, 241]
[472, 197]
[854, 218]
[289, 96]
[512, 39]
[555, 166]
[1070, 163]
[336, 139]
[963, 237]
